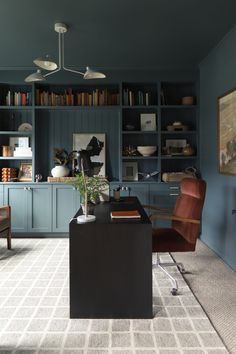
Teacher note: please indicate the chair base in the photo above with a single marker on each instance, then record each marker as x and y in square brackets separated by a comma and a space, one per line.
[162, 266]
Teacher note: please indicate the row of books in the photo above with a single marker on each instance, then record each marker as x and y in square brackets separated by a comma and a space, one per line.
[18, 99]
[133, 98]
[70, 98]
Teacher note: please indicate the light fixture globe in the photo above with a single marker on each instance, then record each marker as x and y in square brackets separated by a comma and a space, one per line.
[45, 63]
[91, 74]
[37, 76]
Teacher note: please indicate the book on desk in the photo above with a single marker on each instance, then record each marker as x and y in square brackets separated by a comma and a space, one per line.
[125, 214]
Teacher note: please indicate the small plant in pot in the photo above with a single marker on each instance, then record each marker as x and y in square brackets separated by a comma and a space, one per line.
[90, 189]
[61, 158]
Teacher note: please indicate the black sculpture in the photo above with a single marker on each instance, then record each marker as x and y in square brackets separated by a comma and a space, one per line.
[93, 148]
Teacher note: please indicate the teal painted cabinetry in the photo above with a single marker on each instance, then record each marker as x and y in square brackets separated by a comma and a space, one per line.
[66, 202]
[16, 197]
[39, 208]
[31, 207]
[163, 196]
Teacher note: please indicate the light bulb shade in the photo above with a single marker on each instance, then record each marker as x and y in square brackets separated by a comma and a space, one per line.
[45, 63]
[91, 74]
[35, 77]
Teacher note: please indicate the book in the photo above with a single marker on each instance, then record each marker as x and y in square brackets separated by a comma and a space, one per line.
[125, 214]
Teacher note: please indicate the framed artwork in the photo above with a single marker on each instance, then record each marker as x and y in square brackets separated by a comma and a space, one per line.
[19, 142]
[25, 172]
[148, 121]
[227, 133]
[95, 144]
[130, 171]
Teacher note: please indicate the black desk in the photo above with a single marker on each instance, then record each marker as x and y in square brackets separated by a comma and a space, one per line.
[111, 264]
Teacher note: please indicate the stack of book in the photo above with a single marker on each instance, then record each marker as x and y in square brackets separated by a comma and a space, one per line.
[9, 174]
[125, 214]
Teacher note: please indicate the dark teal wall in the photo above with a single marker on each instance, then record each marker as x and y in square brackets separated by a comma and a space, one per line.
[217, 75]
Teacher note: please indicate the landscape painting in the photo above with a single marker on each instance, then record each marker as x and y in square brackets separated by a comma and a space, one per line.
[227, 133]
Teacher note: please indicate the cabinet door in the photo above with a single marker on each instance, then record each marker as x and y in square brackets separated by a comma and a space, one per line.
[66, 202]
[1, 195]
[39, 206]
[163, 196]
[16, 197]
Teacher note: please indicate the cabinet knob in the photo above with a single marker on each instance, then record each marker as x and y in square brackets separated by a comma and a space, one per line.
[25, 188]
[74, 189]
[29, 188]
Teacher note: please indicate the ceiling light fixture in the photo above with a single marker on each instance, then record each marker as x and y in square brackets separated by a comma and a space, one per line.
[46, 63]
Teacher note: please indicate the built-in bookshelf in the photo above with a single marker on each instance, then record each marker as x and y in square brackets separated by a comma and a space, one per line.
[119, 110]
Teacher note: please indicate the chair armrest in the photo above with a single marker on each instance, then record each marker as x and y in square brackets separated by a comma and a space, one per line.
[5, 211]
[154, 217]
[160, 210]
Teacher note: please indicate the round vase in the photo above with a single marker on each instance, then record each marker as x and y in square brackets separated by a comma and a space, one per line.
[60, 171]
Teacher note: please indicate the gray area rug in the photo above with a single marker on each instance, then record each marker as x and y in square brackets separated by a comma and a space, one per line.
[34, 311]
[214, 285]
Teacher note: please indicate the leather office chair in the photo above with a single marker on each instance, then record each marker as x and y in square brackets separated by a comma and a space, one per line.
[185, 228]
[5, 224]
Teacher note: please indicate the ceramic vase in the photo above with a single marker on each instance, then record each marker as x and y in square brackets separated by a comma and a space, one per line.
[60, 171]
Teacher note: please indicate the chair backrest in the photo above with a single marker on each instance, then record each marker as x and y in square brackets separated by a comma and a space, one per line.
[189, 204]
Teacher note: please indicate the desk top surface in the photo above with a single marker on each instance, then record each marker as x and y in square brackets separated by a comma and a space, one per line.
[102, 211]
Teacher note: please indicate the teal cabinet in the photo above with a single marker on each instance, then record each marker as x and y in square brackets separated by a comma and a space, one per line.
[31, 207]
[39, 208]
[163, 196]
[66, 202]
[16, 196]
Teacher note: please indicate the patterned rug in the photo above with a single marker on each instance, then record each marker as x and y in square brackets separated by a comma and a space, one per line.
[34, 311]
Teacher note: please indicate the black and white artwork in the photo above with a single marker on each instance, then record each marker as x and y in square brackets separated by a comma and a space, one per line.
[92, 148]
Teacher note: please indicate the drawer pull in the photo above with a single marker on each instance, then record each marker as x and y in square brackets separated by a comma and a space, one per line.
[172, 194]
[173, 187]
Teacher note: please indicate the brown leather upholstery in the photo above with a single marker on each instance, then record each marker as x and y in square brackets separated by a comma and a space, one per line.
[5, 224]
[182, 236]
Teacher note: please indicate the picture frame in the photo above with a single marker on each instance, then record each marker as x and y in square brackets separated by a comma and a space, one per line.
[25, 172]
[19, 142]
[227, 133]
[130, 171]
[148, 122]
[97, 142]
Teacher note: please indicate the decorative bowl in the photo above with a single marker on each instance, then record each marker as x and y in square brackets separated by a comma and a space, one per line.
[146, 150]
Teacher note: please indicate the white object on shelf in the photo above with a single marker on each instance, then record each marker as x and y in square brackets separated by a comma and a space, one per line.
[22, 151]
[146, 150]
[25, 127]
[60, 171]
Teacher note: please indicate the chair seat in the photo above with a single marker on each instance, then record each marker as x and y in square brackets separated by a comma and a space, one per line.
[169, 240]
[4, 223]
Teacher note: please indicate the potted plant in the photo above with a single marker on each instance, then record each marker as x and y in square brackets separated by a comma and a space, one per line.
[61, 158]
[90, 189]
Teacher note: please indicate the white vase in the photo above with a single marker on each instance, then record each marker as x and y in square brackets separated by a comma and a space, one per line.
[60, 171]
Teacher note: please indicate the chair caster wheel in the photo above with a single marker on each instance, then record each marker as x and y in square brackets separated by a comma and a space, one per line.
[174, 291]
